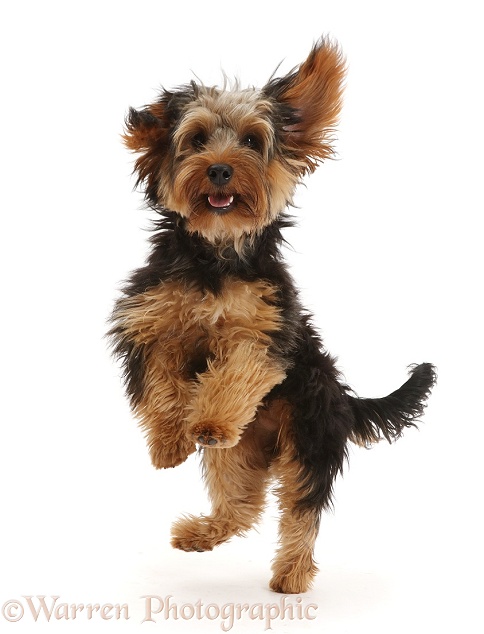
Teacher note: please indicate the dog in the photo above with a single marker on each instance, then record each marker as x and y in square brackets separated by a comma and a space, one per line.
[217, 351]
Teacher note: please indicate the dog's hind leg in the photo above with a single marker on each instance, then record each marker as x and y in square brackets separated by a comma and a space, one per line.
[293, 567]
[236, 480]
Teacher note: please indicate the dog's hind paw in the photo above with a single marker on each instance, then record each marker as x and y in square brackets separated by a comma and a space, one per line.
[290, 585]
[198, 534]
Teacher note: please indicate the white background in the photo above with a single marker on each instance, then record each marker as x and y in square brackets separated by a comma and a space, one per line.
[388, 256]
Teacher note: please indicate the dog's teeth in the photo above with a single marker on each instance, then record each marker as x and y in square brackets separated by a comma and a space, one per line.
[220, 201]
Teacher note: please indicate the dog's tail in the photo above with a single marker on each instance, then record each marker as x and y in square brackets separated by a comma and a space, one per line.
[387, 417]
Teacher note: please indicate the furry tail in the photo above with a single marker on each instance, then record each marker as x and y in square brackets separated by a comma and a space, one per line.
[387, 417]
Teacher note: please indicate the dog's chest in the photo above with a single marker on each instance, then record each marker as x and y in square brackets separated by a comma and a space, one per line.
[180, 318]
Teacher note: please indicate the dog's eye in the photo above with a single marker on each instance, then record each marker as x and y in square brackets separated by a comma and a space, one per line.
[251, 141]
[199, 140]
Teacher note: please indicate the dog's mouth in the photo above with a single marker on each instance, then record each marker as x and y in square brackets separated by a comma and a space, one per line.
[220, 203]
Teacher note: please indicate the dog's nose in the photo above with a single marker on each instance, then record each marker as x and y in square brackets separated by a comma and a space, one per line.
[220, 173]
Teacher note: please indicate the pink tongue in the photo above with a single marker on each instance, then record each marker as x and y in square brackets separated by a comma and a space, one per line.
[220, 201]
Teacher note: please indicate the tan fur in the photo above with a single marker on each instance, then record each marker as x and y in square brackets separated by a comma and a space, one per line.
[176, 326]
[294, 567]
[316, 92]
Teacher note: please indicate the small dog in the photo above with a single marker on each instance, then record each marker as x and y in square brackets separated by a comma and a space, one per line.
[216, 348]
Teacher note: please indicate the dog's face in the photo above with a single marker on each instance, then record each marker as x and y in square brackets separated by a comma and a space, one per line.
[228, 160]
[224, 172]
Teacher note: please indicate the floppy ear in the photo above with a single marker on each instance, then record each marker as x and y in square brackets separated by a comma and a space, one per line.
[310, 100]
[147, 133]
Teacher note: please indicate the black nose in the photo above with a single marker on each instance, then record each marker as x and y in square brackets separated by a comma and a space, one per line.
[220, 173]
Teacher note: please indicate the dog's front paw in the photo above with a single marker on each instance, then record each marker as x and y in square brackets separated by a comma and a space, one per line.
[164, 457]
[214, 435]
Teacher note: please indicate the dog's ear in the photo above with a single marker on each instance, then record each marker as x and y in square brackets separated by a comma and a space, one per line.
[147, 133]
[310, 102]
[143, 128]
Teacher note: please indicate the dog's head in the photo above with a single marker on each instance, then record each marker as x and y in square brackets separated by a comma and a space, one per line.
[228, 160]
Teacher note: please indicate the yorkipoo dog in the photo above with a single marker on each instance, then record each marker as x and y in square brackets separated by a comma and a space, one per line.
[216, 349]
